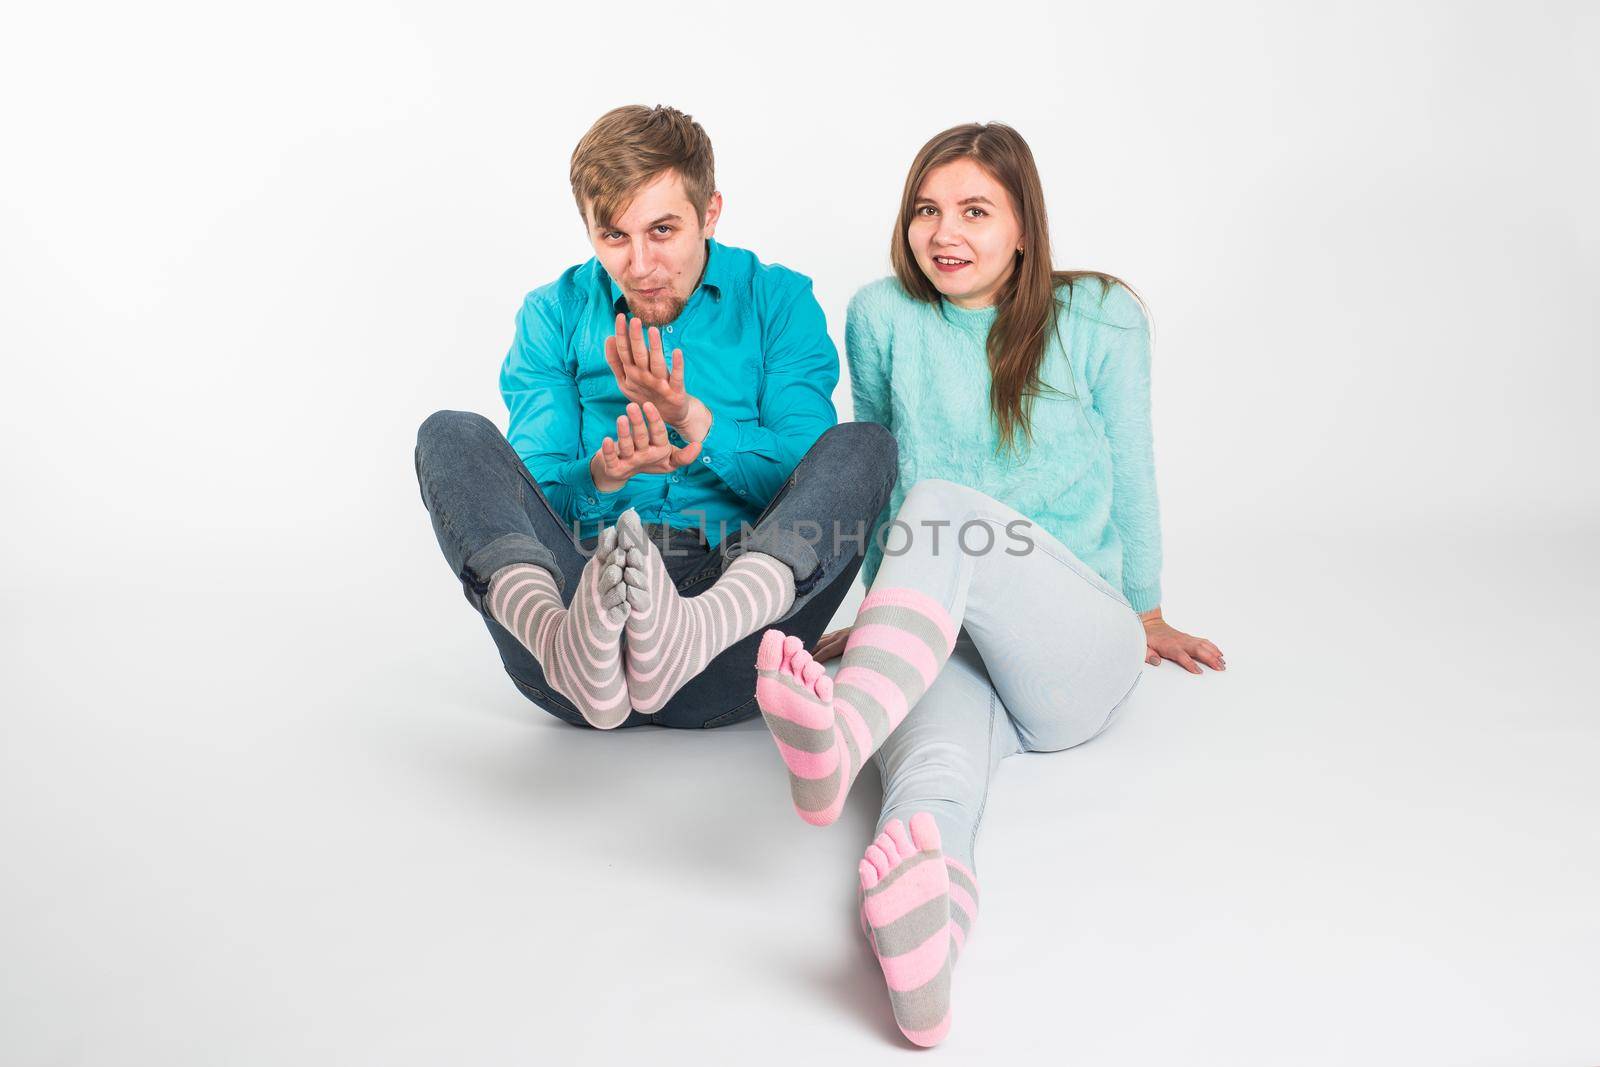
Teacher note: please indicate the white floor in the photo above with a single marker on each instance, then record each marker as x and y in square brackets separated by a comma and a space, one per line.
[328, 831]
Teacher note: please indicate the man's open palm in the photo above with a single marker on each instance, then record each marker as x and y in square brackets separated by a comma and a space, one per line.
[639, 364]
[640, 447]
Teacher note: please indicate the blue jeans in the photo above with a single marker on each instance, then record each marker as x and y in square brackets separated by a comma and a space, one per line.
[1047, 655]
[488, 513]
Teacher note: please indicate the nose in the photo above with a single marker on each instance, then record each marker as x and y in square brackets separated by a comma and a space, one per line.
[641, 263]
[946, 234]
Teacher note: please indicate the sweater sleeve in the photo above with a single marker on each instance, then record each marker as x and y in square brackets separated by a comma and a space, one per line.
[869, 395]
[1120, 391]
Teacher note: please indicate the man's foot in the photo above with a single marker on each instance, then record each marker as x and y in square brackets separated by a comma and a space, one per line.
[796, 699]
[579, 647]
[671, 638]
[905, 906]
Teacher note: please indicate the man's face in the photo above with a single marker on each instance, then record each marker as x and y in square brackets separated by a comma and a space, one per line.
[655, 249]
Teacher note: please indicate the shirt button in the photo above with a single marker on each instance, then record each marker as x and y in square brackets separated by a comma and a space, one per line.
[592, 500]
[705, 459]
[669, 329]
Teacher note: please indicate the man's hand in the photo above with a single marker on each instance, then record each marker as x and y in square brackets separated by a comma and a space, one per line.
[831, 645]
[640, 366]
[1163, 642]
[641, 447]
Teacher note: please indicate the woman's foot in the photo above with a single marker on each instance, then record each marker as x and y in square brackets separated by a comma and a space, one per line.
[905, 907]
[796, 699]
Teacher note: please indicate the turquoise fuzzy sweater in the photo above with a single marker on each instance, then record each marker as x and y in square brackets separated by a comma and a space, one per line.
[1088, 476]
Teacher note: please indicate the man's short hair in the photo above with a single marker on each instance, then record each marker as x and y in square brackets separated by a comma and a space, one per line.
[628, 147]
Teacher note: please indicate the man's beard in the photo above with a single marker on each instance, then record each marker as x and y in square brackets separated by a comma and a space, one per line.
[658, 312]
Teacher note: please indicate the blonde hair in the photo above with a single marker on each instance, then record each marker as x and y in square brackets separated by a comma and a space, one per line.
[630, 146]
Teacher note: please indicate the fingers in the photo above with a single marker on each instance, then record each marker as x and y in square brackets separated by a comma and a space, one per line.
[614, 361]
[637, 427]
[684, 456]
[1183, 660]
[657, 425]
[677, 370]
[609, 458]
[658, 360]
[624, 439]
[620, 343]
[1152, 657]
[831, 645]
[638, 351]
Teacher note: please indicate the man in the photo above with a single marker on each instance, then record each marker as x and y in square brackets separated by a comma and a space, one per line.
[673, 480]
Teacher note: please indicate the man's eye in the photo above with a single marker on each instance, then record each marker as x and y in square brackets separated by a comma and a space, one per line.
[612, 236]
[663, 229]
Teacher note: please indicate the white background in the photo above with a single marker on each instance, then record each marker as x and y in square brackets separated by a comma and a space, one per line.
[266, 796]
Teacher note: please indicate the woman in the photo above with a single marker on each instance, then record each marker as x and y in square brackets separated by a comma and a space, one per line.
[1015, 597]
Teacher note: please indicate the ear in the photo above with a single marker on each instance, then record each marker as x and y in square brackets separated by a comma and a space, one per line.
[713, 213]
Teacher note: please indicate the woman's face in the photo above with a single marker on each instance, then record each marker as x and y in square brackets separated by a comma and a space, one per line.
[964, 233]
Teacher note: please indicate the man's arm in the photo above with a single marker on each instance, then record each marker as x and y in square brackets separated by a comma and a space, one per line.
[541, 393]
[794, 406]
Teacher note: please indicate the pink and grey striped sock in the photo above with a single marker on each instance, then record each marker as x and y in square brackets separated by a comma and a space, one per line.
[916, 909]
[827, 729]
[671, 638]
[579, 648]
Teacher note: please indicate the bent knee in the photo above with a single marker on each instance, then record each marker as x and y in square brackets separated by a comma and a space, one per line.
[860, 438]
[449, 425]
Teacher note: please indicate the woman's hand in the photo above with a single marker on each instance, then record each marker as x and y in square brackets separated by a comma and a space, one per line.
[1163, 642]
[831, 645]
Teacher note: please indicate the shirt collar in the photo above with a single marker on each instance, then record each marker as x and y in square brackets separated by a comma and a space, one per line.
[712, 279]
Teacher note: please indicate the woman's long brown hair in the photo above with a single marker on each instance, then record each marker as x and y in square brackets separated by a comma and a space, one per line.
[1027, 305]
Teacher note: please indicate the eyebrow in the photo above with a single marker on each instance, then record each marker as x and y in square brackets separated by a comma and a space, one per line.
[649, 225]
[959, 203]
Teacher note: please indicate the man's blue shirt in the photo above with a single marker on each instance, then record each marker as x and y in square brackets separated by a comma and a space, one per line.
[756, 353]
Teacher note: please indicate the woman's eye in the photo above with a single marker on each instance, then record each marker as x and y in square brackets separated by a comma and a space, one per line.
[976, 212]
[927, 209]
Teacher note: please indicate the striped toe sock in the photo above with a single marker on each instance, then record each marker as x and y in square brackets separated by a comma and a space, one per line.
[909, 914]
[579, 648]
[827, 729]
[671, 638]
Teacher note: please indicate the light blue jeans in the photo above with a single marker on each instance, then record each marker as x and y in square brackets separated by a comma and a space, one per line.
[1047, 654]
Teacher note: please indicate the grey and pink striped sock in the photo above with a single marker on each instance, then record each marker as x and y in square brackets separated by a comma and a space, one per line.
[579, 648]
[671, 638]
[827, 729]
[916, 908]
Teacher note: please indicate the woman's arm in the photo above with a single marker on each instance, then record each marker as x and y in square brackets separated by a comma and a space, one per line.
[1120, 390]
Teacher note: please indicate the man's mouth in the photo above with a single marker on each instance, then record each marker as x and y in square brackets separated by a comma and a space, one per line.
[651, 294]
[950, 264]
